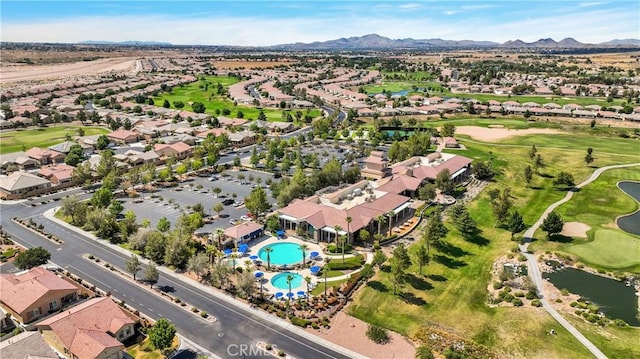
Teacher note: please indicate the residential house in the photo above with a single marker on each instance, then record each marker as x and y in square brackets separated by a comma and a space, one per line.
[65, 147]
[281, 127]
[178, 150]
[91, 140]
[58, 174]
[14, 161]
[32, 294]
[242, 138]
[26, 345]
[123, 136]
[19, 184]
[94, 329]
[137, 158]
[45, 156]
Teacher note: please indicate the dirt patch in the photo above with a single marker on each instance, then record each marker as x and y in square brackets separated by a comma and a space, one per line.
[575, 229]
[496, 134]
[350, 333]
[47, 72]
[233, 65]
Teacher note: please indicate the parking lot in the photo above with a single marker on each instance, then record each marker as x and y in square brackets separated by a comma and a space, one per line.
[172, 202]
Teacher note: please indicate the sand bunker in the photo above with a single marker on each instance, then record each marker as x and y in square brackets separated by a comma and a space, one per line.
[497, 134]
[575, 229]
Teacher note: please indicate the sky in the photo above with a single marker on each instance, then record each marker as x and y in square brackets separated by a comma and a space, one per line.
[268, 22]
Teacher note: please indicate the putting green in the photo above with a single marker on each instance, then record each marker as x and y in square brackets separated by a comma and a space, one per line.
[610, 248]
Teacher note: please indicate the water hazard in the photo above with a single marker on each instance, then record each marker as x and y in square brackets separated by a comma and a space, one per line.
[630, 223]
[617, 300]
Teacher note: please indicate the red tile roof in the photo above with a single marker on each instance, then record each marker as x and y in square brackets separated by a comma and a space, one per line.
[19, 291]
[88, 344]
[242, 229]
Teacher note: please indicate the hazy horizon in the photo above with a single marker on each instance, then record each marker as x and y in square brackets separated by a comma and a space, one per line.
[263, 23]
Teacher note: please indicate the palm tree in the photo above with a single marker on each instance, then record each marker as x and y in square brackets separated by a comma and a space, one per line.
[348, 220]
[390, 214]
[234, 255]
[289, 280]
[303, 247]
[324, 273]
[212, 252]
[220, 236]
[308, 280]
[337, 228]
[342, 240]
[381, 219]
[268, 251]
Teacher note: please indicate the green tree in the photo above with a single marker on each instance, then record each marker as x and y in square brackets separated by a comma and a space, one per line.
[379, 258]
[218, 207]
[467, 226]
[102, 198]
[533, 152]
[268, 251]
[501, 205]
[177, 252]
[398, 275]
[247, 284]
[448, 130]
[528, 175]
[539, 163]
[588, 158]
[106, 164]
[434, 231]
[198, 107]
[155, 247]
[151, 274]
[515, 224]
[257, 202]
[552, 224]
[74, 156]
[133, 265]
[564, 179]
[161, 334]
[443, 181]
[401, 255]
[166, 104]
[364, 235]
[198, 264]
[427, 192]
[32, 257]
[163, 225]
[236, 161]
[82, 174]
[422, 257]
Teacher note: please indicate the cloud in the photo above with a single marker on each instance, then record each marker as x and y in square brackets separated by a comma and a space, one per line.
[451, 12]
[590, 4]
[409, 6]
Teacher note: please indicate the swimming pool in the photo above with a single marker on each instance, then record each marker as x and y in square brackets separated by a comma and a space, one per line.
[280, 280]
[283, 253]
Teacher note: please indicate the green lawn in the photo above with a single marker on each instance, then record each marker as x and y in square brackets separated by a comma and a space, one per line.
[610, 249]
[330, 284]
[453, 293]
[205, 92]
[22, 140]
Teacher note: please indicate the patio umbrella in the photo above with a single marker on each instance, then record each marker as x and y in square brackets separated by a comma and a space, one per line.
[315, 269]
[280, 233]
[253, 258]
[228, 251]
[301, 293]
[258, 274]
[313, 254]
[242, 250]
[290, 295]
[278, 294]
[243, 247]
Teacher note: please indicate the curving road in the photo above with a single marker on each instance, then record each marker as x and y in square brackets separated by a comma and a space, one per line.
[237, 324]
[534, 270]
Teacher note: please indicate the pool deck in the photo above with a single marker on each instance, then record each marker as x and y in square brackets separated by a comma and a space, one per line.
[254, 249]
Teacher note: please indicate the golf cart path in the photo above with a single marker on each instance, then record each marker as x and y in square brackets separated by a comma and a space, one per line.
[534, 270]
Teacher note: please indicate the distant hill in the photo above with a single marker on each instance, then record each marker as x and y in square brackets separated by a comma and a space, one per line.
[129, 43]
[377, 42]
[618, 42]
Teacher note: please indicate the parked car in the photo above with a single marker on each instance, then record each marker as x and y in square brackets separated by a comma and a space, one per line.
[233, 222]
[245, 218]
[228, 201]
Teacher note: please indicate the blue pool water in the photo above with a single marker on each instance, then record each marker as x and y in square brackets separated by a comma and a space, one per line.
[280, 280]
[283, 253]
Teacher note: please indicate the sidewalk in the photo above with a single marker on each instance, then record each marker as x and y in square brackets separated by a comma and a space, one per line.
[49, 214]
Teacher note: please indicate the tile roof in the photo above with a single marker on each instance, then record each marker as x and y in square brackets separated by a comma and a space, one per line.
[21, 180]
[88, 344]
[26, 345]
[242, 229]
[400, 184]
[19, 291]
[97, 314]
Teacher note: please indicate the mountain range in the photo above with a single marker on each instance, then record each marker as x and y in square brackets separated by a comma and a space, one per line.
[377, 42]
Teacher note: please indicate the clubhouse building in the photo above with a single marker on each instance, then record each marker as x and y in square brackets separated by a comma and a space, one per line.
[375, 204]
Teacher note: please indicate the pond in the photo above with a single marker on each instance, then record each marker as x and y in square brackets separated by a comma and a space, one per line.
[615, 298]
[630, 223]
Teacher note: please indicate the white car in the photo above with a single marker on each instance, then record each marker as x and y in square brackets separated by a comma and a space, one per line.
[245, 218]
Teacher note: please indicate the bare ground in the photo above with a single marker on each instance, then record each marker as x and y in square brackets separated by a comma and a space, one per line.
[47, 72]
[350, 333]
[497, 134]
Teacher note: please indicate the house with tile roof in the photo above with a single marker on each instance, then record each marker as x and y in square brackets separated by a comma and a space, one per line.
[45, 156]
[178, 150]
[58, 174]
[26, 345]
[31, 295]
[19, 184]
[323, 216]
[244, 232]
[94, 329]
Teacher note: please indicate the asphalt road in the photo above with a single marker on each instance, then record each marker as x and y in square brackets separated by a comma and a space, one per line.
[235, 325]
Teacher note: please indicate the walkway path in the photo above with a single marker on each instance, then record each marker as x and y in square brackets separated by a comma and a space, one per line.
[534, 270]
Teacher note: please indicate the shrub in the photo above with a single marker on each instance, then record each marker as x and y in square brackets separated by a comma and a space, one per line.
[530, 295]
[519, 294]
[517, 302]
[268, 347]
[536, 303]
[377, 334]
[204, 314]
[177, 300]
[315, 325]
[564, 291]
[620, 323]
[497, 285]
[573, 304]
[195, 310]
[558, 300]
[299, 322]
[281, 353]
[424, 352]
[522, 258]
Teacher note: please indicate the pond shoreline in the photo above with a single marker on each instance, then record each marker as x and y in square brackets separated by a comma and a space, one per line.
[630, 222]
